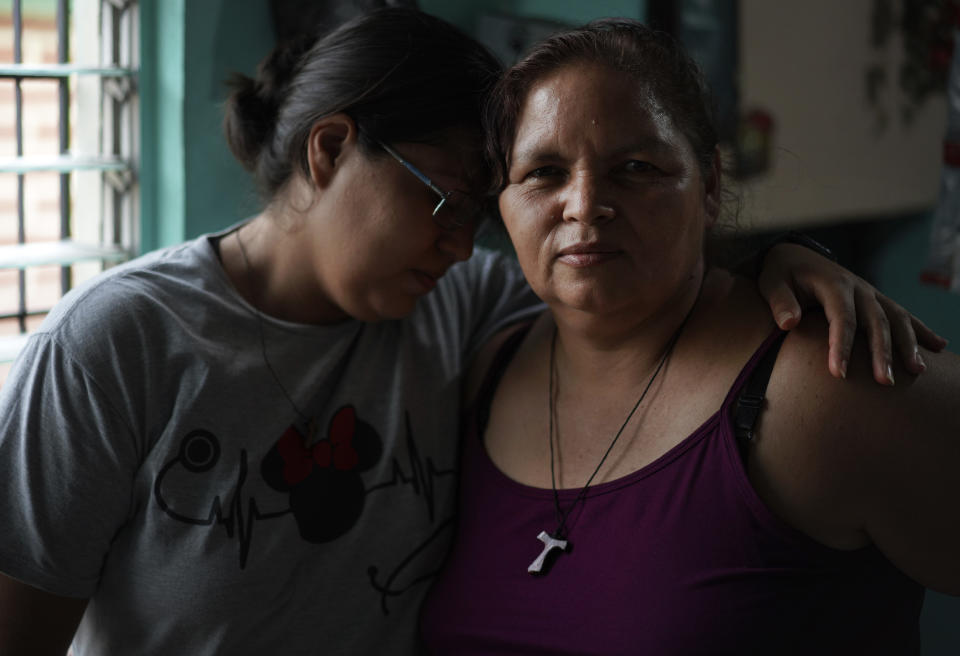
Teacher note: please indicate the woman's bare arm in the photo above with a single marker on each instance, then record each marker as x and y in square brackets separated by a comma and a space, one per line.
[35, 622]
[852, 463]
[909, 495]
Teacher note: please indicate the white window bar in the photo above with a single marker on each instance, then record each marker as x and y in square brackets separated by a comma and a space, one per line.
[96, 152]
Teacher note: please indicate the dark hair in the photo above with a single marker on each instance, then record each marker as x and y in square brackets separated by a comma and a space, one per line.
[400, 74]
[654, 58]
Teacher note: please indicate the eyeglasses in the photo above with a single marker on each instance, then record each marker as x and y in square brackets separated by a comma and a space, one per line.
[455, 209]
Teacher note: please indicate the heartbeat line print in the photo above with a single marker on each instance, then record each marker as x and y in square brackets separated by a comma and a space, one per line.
[420, 474]
[235, 520]
[389, 587]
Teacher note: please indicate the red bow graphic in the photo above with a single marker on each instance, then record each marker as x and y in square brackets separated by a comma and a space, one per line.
[299, 461]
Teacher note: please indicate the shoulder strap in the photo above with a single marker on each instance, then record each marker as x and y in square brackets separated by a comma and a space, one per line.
[491, 381]
[750, 402]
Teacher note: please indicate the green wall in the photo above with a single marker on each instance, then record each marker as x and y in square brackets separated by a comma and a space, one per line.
[223, 37]
[574, 12]
[190, 183]
[162, 168]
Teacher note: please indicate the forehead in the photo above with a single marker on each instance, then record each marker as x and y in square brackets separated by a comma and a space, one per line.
[591, 105]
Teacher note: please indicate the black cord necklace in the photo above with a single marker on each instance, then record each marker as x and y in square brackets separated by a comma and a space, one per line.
[557, 541]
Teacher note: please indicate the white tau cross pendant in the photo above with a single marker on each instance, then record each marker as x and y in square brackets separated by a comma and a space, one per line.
[549, 544]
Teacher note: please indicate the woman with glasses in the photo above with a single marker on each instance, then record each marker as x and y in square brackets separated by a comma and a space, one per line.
[245, 444]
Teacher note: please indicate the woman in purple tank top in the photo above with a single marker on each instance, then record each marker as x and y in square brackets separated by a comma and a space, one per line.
[650, 466]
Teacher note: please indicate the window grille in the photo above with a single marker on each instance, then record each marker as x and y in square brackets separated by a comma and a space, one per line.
[68, 148]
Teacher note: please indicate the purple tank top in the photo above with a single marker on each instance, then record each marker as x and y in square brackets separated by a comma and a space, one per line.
[679, 557]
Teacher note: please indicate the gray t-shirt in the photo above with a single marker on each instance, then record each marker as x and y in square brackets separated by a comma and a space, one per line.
[149, 460]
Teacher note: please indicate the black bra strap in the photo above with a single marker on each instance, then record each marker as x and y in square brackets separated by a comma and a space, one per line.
[497, 368]
[750, 401]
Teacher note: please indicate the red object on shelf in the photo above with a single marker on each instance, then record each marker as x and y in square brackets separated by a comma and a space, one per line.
[951, 153]
[935, 278]
[754, 142]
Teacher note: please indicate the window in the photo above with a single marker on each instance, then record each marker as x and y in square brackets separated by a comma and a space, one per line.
[68, 148]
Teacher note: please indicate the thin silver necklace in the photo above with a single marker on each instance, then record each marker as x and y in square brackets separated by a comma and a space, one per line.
[557, 541]
[325, 390]
[263, 340]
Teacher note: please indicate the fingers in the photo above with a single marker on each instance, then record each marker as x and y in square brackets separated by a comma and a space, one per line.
[926, 337]
[832, 288]
[782, 301]
[873, 317]
[841, 312]
[909, 334]
[793, 278]
[904, 335]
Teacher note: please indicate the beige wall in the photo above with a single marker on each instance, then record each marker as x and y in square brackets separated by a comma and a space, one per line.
[807, 66]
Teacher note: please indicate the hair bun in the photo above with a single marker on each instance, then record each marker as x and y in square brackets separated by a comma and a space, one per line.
[253, 105]
[280, 66]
